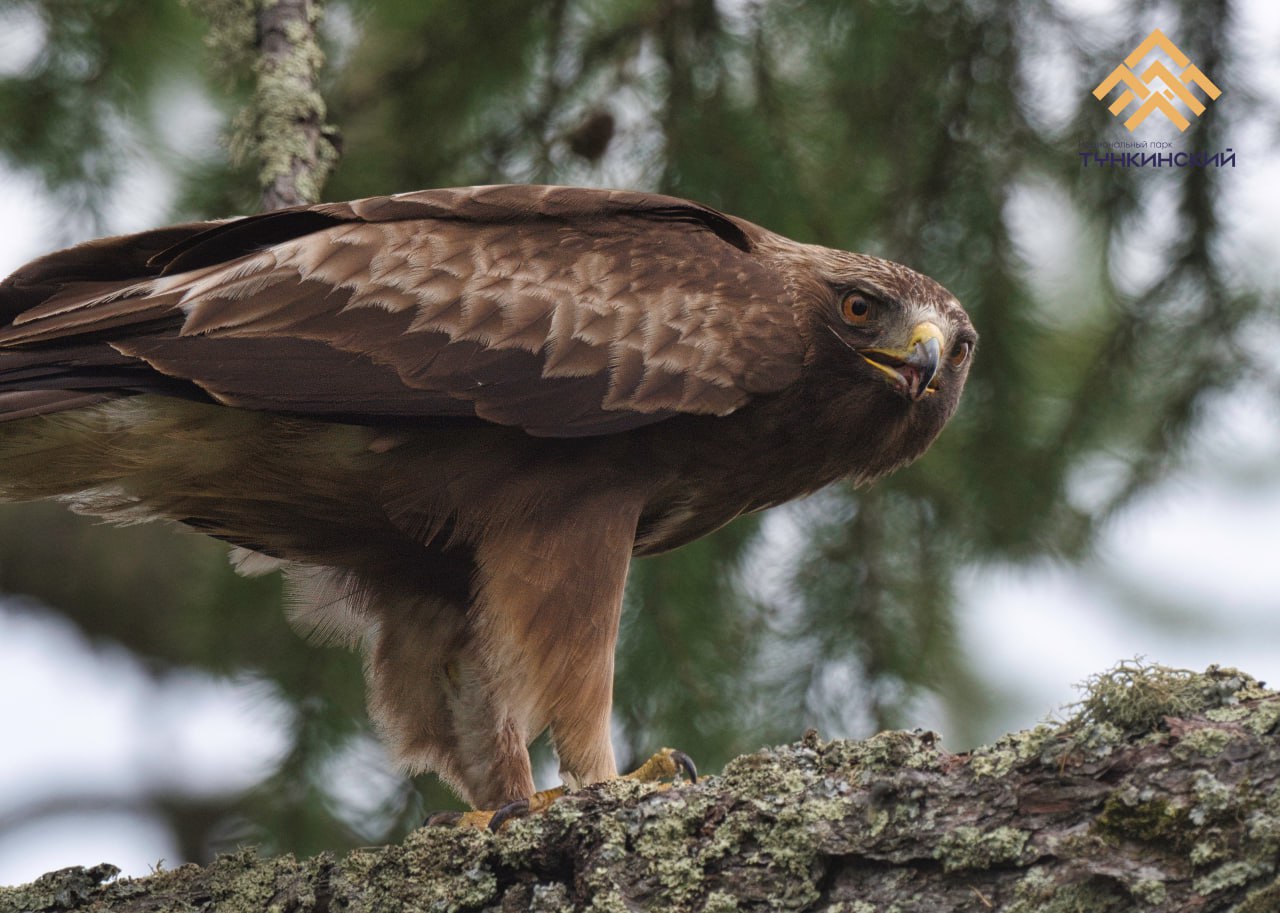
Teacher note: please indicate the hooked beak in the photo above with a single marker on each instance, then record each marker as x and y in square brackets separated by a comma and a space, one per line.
[912, 368]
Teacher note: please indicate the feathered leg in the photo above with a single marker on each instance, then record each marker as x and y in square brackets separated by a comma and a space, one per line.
[549, 598]
[463, 678]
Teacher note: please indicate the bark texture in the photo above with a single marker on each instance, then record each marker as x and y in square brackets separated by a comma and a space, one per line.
[1158, 795]
[295, 147]
[282, 128]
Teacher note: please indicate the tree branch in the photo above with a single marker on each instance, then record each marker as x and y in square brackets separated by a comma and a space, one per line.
[1159, 795]
[295, 146]
[283, 127]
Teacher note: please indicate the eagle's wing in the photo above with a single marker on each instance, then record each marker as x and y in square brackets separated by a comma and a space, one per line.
[562, 311]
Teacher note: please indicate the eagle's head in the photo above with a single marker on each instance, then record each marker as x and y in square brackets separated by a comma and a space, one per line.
[888, 351]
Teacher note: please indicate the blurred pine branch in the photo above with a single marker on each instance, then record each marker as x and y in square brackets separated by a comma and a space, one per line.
[908, 129]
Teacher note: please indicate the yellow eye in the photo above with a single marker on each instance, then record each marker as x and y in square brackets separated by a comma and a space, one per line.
[856, 309]
[960, 354]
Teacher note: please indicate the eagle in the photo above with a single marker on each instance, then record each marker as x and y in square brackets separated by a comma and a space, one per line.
[452, 417]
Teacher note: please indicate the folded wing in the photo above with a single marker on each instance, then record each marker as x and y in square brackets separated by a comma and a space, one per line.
[562, 311]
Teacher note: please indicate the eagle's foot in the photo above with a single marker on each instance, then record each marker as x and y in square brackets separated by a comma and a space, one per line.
[539, 801]
[666, 764]
[494, 819]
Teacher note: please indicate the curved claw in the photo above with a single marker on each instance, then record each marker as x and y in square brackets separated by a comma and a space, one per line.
[442, 819]
[667, 764]
[516, 809]
[685, 763]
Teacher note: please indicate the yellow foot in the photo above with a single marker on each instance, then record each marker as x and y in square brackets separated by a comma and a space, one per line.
[496, 818]
[667, 764]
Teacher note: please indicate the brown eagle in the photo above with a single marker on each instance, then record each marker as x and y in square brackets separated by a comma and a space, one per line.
[454, 416]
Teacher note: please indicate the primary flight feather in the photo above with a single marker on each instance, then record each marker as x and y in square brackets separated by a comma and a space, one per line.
[453, 416]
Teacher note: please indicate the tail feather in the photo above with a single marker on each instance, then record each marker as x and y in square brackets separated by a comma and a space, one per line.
[16, 404]
[39, 381]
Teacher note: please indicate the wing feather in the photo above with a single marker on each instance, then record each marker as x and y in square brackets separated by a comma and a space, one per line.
[563, 311]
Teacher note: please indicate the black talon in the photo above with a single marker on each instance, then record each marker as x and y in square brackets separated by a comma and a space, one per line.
[685, 763]
[516, 809]
[439, 819]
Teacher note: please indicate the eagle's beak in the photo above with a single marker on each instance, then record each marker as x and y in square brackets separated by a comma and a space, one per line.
[911, 368]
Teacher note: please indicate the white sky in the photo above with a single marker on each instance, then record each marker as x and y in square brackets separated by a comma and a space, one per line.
[82, 720]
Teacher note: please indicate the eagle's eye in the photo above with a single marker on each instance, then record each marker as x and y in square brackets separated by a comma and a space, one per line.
[856, 309]
[960, 353]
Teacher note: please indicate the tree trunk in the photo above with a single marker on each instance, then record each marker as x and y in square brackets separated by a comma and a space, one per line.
[295, 146]
[1158, 795]
[283, 127]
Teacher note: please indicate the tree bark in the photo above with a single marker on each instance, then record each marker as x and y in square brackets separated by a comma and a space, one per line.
[283, 126]
[297, 150]
[1158, 795]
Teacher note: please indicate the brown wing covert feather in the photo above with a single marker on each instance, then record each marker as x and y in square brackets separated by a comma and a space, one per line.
[561, 311]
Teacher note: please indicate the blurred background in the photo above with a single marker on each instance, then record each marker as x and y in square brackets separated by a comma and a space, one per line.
[1110, 487]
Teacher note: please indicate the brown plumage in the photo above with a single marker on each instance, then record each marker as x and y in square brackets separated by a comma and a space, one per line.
[453, 416]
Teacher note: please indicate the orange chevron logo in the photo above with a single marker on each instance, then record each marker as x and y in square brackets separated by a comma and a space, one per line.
[1176, 85]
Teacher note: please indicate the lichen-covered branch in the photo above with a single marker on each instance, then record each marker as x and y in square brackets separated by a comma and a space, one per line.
[283, 127]
[1159, 795]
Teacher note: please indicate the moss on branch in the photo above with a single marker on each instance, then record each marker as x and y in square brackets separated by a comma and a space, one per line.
[1159, 794]
[283, 126]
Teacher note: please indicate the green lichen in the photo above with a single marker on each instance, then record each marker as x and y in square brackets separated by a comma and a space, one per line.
[784, 803]
[447, 869]
[780, 814]
[1214, 799]
[649, 830]
[1092, 740]
[1233, 714]
[1264, 716]
[1208, 850]
[549, 898]
[1011, 751]
[1225, 685]
[1242, 699]
[1263, 826]
[720, 902]
[1232, 875]
[1129, 816]
[883, 753]
[1206, 741]
[1136, 696]
[276, 128]
[1039, 892]
[231, 34]
[971, 848]
[770, 773]
[1149, 891]
[522, 836]
[662, 842]
[608, 900]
